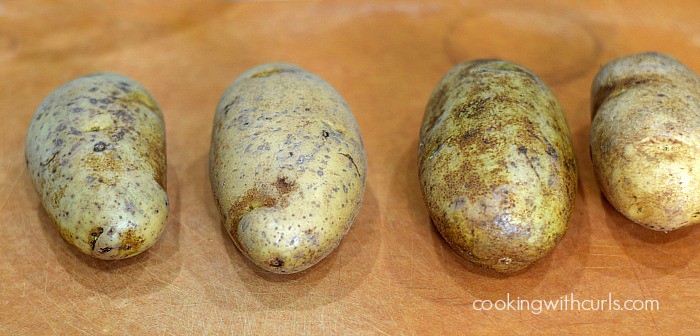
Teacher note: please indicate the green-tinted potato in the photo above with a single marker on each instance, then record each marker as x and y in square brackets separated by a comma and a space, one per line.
[287, 166]
[645, 139]
[496, 166]
[96, 153]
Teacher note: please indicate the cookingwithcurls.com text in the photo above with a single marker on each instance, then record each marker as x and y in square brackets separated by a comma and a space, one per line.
[567, 302]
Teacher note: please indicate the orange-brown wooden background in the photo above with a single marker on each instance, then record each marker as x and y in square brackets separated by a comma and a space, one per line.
[393, 273]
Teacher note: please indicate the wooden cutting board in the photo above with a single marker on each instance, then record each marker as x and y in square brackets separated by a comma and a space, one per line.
[393, 273]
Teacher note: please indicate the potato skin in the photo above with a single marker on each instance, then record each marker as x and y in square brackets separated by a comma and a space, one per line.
[496, 166]
[287, 166]
[95, 151]
[645, 139]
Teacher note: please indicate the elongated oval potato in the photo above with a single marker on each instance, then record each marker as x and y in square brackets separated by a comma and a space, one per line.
[496, 166]
[96, 154]
[287, 166]
[645, 139]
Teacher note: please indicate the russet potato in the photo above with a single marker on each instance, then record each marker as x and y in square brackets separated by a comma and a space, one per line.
[645, 139]
[287, 166]
[95, 150]
[496, 165]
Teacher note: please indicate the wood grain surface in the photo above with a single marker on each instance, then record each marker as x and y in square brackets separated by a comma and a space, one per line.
[393, 273]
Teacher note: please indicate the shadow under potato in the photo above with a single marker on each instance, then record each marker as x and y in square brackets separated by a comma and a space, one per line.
[144, 273]
[663, 252]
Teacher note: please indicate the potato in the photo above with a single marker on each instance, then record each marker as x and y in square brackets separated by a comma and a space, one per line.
[496, 166]
[287, 166]
[96, 154]
[645, 139]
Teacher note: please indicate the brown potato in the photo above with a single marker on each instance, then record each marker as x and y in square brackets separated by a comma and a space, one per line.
[496, 166]
[645, 139]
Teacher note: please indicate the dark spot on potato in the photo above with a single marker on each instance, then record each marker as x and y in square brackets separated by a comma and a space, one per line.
[324, 133]
[117, 136]
[100, 146]
[468, 137]
[276, 262]
[94, 234]
[105, 249]
[284, 185]
[550, 150]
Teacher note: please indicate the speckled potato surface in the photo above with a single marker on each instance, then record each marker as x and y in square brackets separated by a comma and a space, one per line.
[96, 154]
[645, 139]
[287, 166]
[496, 166]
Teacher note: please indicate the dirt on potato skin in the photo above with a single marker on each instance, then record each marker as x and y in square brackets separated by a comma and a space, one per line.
[496, 165]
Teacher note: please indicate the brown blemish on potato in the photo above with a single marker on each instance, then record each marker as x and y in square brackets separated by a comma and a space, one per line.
[284, 185]
[252, 199]
[107, 161]
[130, 241]
[663, 148]
[276, 262]
[138, 97]
[156, 158]
[58, 195]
